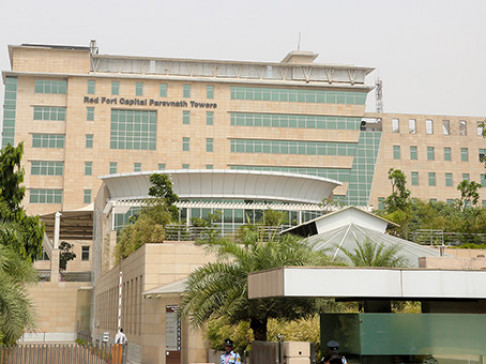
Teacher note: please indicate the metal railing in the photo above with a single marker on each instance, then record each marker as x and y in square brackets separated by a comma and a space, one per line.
[439, 237]
[61, 354]
[192, 233]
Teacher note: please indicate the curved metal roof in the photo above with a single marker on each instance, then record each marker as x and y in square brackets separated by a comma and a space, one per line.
[227, 184]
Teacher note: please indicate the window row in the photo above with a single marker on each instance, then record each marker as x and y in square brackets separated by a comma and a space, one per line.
[292, 147]
[50, 195]
[137, 167]
[339, 174]
[49, 113]
[296, 95]
[448, 179]
[46, 168]
[429, 127]
[139, 89]
[431, 153]
[50, 86]
[295, 121]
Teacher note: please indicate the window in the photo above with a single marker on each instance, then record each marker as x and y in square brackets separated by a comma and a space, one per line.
[209, 144]
[50, 87]
[161, 166]
[480, 128]
[447, 154]
[91, 87]
[413, 152]
[209, 117]
[209, 166]
[210, 92]
[185, 166]
[137, 167]
[186, 117]
[395, 126]
[431, 178]
[430, 153]
[89, 141]
[482, 155]
[429, 126]
[113, 167]
[88, 168]
[186, 91]
[138, 89]
[412, 126]
[85, 253]
[396, 152]
[465, 176]
[90, 113]
[46, 168]
[87, 196]
[49, 113]
[464, 154]
[133, 129]
[115, 88]
[186, 144]
[462, 128]
[448, 180]
[450, 201]
[415, 178]
[45, 195]
[381, 203]
[163, 90]
[446, 127]
[482, 179]
[433, 200]
[47, 141]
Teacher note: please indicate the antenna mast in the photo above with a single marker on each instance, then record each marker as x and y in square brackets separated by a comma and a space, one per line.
[298, 44]
[379, 95]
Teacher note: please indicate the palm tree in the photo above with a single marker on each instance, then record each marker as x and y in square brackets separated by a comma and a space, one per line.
[370, 254]
[220, 289]
[15, 306]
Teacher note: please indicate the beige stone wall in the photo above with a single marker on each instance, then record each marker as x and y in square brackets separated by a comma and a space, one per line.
[381, 185]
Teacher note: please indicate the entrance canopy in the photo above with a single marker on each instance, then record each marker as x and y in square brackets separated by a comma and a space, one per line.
[75, 224]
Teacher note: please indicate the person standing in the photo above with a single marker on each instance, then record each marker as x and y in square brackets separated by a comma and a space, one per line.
[121, 339]
[229, 356]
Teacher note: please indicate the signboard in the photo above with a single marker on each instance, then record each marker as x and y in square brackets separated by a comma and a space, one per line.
[106, 337]
[172, 329]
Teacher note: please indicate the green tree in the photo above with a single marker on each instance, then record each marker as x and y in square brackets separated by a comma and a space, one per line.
[469, 194]
[66, 254]
[29, 243]
[370, 254]
[149, 225]
[220, 289]
[400, 196]
[15, 273]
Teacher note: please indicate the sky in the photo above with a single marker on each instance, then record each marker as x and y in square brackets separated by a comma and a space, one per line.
[429, 54]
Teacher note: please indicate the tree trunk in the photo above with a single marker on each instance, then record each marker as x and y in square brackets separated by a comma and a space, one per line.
[259, 328]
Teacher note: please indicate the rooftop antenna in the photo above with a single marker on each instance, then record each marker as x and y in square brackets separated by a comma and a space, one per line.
[298, 44]
[379, 95]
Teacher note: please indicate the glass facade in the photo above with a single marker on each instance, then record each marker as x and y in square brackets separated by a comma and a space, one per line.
[133, 129]
[338, 174]
[9, 112]
[292, 147]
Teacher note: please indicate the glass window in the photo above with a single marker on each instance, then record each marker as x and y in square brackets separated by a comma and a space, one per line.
[413, 152]
[480, 128]
[396, 152]
[431, 178]
[209, 117]
[186, 117]
[429, 126]
[139, 89]
[91, 86]
[415, 178]
[163, 90]
[465, 176]
[381, 203]
[186, 144]
[161, 166]
[430, 153]
[412, 126]
[186, 91]
[47, 168]
[483, 179]
[115, 88]
[448, 180]
[85, 253]
[47, 141]
[89, 141]
[395, 126]
[50, 86]
[90, 113]
[209, 144]
[113, 167]
[210, 92]
[209, 166]
[49, 113]
[133, 129]
[185, 166]
[462, 128]
[87, 196]
[482, 155]
[88, 168]
[447, 154]
[137, 167]
[464, 154]
[45, 195]
[446, 127]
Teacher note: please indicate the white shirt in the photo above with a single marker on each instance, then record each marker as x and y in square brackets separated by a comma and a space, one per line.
[120, 338]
